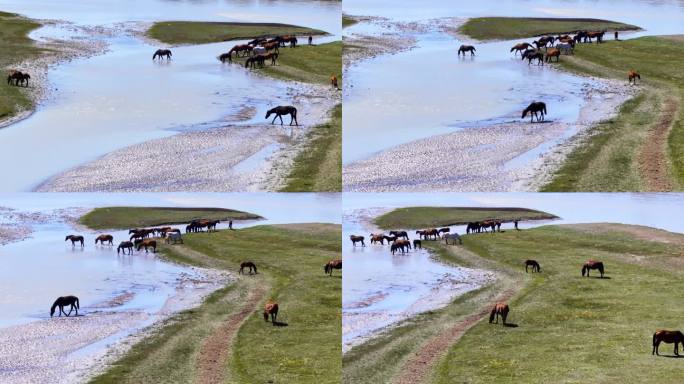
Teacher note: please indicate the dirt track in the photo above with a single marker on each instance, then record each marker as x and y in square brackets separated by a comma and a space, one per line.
[653, 159]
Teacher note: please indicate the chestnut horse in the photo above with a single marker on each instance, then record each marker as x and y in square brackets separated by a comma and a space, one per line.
[148, 244]
[246, 49]
[520, 48]
[374, 238]
[62, 302]
[75, 239]
[466, 48]
[249, 265]
[592, 264]
[633, 76]
[281, 110]
[271, 308]
[162, 53]
[553, 52]
[105, 238]
[333, 82]
[355, 239]
[534, 264]
[534, 108]
[499, 309]
[123, 246]
[332, 264]
[402, 245]
[669, 337]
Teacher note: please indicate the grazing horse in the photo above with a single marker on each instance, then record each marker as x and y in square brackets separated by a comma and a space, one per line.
[375, 238]
[148, 244]
[466, 48]
[246, 49]
[332, 264]
[123, 246]
[592, 264]
[271, 308]
[499, 309]
[18, 78]
[355, 239]
[281, 110]
[175, 237]
[535, 55]
[596, 34]
[105, 238]
[333, 82]
[553, 52]
[399, 234]
[403, 245]
[162, 53]
[520, 48]
[534, 108]
[62, 302]
[669, 337]
[417, 244]
[253, 62]
[228, 56]
[633, 76]
[534, 264]
[75, 239]
[249, 265]
[453, 236]
[473, 227]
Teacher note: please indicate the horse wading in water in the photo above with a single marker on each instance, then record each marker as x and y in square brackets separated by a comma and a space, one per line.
[62, 302]
[281, 110]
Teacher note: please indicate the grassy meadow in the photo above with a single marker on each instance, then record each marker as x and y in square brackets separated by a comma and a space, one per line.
[202, 32]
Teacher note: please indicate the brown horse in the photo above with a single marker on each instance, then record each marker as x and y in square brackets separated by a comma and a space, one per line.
[75, 239]
[62, 302]
[332, 264]
[592, 264]
[162, 53]
[633, 76]
[553, 52]
[534, 264]
[499, 309]
[274, 46]
[105, 238]
[400, 244]
[142, 234]
[535, 55]
[249, 265]
[390, 239]
[356, 239]
[377, 238]
[430, 234]
[398, 234]
[520, 48]
[273, 56]
[271, 308]
[417, 244]
[466, 48]
[596, 34]
[534, 108]
[123, 246]
[281, 110]
[148, 244]
[289, 39]
[669, 337]
[246, 49]
[228, 56]
[333, 82]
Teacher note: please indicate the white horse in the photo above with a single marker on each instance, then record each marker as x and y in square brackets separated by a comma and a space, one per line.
[565, 48]
[259, 50]
[453, 236]
[175, 237]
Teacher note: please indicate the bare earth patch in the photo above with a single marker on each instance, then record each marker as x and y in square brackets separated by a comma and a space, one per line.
[653, 160]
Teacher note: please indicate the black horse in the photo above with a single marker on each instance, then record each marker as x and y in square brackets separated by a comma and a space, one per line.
[228, 56]
[123, 246]
[417, 244]
[466, 48]
[534, 264]
[19, 78]
[535, 55]
[249, 265]
[62, 302]
[162, 53]
[534, 108]
[399, 234]
[281, 110]
[75, 239]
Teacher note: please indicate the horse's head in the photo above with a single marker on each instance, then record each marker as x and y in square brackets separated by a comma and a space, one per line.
[52, 310]
[67, 238]
[269, 113]
[265, 315]
[524, 112]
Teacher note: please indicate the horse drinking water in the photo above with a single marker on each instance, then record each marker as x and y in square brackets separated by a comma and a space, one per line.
[281, 110]
[466, 48]
[62, 302]
[534, 108]
[162, 53]
[75, 239]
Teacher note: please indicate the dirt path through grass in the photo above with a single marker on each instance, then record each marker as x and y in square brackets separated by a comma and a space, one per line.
[653, 158]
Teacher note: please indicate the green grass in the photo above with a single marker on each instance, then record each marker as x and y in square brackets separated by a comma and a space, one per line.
[136, 217]
[290, 260]
[608, 159]
[202, 32]
[15, 47]
[508, 28]
[318, 166]
[574, 329]
[425, 217]
[348, 21]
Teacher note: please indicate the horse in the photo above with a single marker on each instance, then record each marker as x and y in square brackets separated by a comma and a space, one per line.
[271, 308]
[453, 236]
[254, 61]
[499, 309]
[535, 55]
[375, 238]
[211, 225]
[534, 108]
[333, 82]
[669, 337]
[75, 239]
[534, 264]
[270, 56]
[521, 47]
[226, 56]
[148, 244]
[553, 52]
[249, 265]
[417, 244]
[246, 49]
[281, 110]
[289, 39]
[272, 46]
[175, 237]
[527, 52]
[633, 76]
[592, 264]
[390, 239]
[18, 78]
[565, 48]
[399, 234]
[332, 264]
[123, 246]
[596, 34]
[257, 41]
[403, 245]
[62, 302]
[466, 48]
[162, 53]
[103, 238]
[428, 233]
[444, 230]
[472, 227]
[259, 50]
[355, 239]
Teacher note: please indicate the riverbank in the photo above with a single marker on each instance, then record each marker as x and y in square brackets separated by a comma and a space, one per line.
[203, 32]
[431, 217]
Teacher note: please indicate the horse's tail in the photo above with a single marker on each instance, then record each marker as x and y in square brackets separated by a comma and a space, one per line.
[584, 268]
[544, 108]
[491, 315]
[78, 305]
[654, 339]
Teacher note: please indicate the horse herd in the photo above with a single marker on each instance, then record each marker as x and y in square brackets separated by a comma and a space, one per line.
[18, 78]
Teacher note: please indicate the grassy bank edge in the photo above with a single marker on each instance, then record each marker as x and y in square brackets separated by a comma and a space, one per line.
[424, 217]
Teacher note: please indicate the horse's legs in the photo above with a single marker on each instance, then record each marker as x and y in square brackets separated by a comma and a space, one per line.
[281, 119]
[273, 121]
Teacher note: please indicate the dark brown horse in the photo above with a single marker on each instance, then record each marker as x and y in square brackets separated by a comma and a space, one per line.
[592, 264]
[669, 337]
[499, 309]
[520, 48]
[289, 39]
[148, 244]
[533, 109]
[598, 35]
[123, 246]
[633, 76]
[332, 264]
[228, 56]
[62, 302]
[75, 239]
[281, 110]
[402, 245]
[105, 238]
[398, 234]
[377, 238]
[390, 239]
[356, 239]
[249, 265]
[162, 53]
[18, 78]
[273, 46]
[271, 308]
[534, 264]
[417, 244]
[466, 48]
[428, 234]
[333, 82]
[535, 55]
[444, 230]
[246, 49]
[273, 56]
